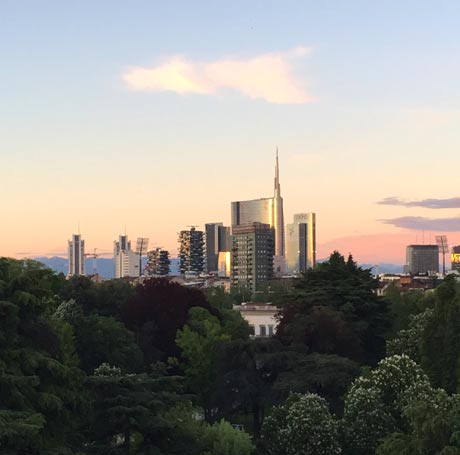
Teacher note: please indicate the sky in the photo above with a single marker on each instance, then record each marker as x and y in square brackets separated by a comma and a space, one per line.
[147, 116]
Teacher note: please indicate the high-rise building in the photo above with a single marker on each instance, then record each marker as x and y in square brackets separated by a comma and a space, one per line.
[126, 261]
[266, 211]
[455, 258]
[76, 255]
[252, 255]
[301, 243]
[158, 262]
[421, 259]
[191, 251]
[278, 213]
[217, 239]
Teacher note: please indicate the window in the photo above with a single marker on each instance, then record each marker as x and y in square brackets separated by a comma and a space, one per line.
[270, 330]
[252, 330]
[263, 330]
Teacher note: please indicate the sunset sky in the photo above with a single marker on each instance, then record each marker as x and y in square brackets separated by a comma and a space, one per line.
[155, 115]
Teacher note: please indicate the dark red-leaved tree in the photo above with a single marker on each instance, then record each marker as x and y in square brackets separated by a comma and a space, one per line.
[157, 310]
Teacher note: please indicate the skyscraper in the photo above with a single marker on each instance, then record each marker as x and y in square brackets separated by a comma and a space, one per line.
[278, 213]
[252, 255]
[266, 211]
[217, 239]
[126, 261]
[76, 255]
[301, 243]
[191, 251]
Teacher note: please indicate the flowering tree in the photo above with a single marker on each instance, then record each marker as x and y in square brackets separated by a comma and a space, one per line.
[301, 425]
[375, 402]
[407, 341]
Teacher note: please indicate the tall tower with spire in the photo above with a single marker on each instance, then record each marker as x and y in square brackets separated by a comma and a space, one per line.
[278, 214]
[267, 211]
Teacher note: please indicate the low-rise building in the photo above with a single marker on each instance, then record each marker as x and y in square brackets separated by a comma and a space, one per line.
[261, 317]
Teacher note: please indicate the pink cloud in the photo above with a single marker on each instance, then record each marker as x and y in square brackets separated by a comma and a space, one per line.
[267, 76]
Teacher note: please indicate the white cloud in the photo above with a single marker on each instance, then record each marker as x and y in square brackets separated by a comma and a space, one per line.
[266, 76]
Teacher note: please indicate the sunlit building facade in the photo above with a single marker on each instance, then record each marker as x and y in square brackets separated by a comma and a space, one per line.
[217, 239]
[126, 261]
[455, 258]
[267, 211]
[301, 243]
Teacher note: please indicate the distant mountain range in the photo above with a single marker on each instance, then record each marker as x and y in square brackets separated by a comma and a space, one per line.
[105, 266]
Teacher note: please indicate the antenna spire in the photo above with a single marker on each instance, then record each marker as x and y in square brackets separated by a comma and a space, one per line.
[277, 175]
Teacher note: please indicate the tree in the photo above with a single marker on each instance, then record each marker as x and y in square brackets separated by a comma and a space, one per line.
[246, 371]
[41, 390]
[301, 425]
[158, 309]
[440, 344]
[329, 376]
[129, 411]
[404, 305]
[409, 341]
[375, 403]
[222, 439]
[433, 427]
[341, 296]
[199, 341]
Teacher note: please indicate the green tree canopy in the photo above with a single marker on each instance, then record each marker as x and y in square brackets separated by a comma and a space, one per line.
[334, 309]
[41, 390]
[440, 344]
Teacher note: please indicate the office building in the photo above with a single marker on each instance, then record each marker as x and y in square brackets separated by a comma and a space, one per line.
[217, 239]
[422, 259]
[455, 258]
[252, 256]
[126, 261]
[158, 262]
[76, 255]
[301, 243]
[265, 211]
[191, 251]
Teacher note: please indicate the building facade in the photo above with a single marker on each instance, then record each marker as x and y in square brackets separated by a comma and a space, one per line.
[191, 251]
[253, 247]
[217, 239]
[261, 318]
[158, 262]
[76, 255]
[301, 243]
[266, 211]
[422, 259]
[126, 261]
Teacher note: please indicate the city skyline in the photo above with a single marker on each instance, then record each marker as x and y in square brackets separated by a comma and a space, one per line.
[171, 111]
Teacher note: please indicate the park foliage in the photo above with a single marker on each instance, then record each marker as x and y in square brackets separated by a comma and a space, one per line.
[161, 369]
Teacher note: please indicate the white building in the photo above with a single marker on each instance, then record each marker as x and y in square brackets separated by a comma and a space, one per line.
[260, 317]
[76, 255]
[126, 261]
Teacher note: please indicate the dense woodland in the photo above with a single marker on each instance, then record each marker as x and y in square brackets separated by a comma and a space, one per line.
[161, 369]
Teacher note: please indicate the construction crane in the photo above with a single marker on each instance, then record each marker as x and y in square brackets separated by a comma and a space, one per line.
[95, 255]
